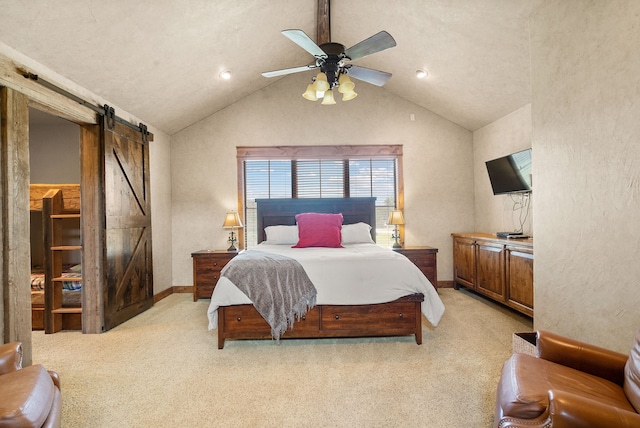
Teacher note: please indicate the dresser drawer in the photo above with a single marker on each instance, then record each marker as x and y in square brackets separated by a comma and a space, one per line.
[239, 318]
[423, 261]
[338, 317]
[245, 318]
[307, 325]
[207, 266]
[207, 274]
[425, 258]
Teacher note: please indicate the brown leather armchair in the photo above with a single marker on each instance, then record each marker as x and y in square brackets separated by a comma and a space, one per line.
[569, 384]
[29, 396]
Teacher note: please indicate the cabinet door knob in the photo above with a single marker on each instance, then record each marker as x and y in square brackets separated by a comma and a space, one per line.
[304, 318]
[337, 317]
[401, 316]
[238, 319]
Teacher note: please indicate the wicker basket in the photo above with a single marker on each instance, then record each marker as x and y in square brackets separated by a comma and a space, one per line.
[524, 343]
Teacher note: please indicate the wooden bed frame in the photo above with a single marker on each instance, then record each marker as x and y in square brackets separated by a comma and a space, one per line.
[398, 318]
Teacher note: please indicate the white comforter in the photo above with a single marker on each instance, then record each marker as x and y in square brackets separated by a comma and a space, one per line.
[355, 275]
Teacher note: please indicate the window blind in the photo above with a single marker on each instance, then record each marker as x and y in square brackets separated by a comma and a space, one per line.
[321, 178]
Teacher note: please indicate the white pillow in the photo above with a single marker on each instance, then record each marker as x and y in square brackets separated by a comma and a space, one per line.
[358, 233]
[281, 235]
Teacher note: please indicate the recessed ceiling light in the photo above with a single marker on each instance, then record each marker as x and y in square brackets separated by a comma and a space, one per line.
[225, 74]
[421, 73]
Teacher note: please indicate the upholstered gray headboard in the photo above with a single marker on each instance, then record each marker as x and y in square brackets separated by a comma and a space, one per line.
[273, 212]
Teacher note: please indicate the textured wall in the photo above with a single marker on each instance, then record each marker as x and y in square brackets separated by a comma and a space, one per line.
[160, 169]
[506, 135]
[54, 151]
[585, 110]
[438, 162]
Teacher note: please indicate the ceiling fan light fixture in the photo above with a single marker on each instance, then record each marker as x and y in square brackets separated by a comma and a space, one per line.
[310, 93]
[349, 95]
[328, 98]
[421, 74]
[225, 74]
[321, 84]
[345, 85]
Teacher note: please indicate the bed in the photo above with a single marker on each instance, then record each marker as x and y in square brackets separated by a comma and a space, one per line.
[348, 304]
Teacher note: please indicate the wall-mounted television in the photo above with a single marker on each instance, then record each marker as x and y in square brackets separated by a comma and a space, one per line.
[510, 174]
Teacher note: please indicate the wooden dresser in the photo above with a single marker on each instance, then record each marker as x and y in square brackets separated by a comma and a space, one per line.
[499, 268]
[207, 265]
[426, 260]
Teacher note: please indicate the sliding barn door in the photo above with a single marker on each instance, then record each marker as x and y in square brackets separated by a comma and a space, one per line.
[128, 290]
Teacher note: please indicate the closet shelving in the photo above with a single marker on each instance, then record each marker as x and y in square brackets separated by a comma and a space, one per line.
[61, 229]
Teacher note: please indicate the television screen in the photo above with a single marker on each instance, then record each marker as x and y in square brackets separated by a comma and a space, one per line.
[510, 174]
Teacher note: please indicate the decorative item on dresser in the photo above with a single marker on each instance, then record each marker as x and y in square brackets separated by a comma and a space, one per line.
[499, 268]
[426, 260]
[207, 265]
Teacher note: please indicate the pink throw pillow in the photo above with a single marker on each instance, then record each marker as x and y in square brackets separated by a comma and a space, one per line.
[319, 230]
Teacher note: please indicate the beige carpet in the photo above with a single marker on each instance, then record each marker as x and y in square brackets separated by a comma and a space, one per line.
[163, 369]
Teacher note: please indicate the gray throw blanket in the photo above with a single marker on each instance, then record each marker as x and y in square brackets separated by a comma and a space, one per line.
[277, 285]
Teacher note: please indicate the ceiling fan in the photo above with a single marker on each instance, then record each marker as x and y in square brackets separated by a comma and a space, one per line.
[334, 60]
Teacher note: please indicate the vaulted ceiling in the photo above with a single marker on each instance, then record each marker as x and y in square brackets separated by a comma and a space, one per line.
[160, 60]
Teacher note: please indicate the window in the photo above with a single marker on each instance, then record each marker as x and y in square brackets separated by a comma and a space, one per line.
[320, 172]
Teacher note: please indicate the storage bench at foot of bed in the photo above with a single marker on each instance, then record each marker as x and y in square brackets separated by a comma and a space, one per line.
[398, 318]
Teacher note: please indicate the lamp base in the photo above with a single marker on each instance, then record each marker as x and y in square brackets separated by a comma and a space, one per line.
[395, 238]
[232, 240]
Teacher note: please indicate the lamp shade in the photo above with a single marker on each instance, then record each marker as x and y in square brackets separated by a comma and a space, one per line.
[321, 84]
[345, 84]
[328, 98]
[232, 219]
[395, 217]
[310, 93]
[349, 95]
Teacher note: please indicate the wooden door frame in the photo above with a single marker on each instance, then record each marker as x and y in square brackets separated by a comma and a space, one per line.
[18, 94]
[15, 312]
[92, 225]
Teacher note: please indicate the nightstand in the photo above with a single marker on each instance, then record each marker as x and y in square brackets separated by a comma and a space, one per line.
[207, 265]
[426, 260]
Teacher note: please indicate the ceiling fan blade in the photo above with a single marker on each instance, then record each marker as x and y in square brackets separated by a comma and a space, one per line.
[376, 43]
[300, 38]
[369, 75]
[289, 70]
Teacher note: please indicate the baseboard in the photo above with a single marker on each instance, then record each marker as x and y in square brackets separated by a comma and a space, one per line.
[172, 290]
[445, 284]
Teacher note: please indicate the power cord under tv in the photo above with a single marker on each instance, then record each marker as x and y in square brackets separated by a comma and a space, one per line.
[521, 205]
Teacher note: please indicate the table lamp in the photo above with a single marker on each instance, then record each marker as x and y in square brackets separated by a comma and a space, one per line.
[395, 218]
[232, 220]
